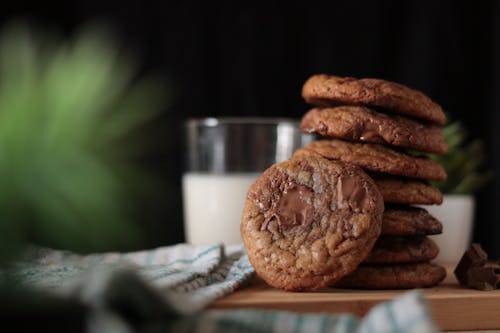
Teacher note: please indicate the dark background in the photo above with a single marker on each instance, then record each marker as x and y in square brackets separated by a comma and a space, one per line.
[251, 58]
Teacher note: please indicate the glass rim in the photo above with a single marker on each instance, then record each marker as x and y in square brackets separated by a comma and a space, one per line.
[218, 121]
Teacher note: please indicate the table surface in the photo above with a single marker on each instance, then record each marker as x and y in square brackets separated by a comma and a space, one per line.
[453, 307]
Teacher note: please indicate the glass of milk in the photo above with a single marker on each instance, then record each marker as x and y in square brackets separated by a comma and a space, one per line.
[224, 157]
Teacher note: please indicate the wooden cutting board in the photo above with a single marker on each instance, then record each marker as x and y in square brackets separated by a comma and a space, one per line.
[453, 307]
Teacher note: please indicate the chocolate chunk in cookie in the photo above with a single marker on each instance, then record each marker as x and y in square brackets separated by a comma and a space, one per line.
[409, 221]
[357, 123]
[378, 158]
[407, 191]
[324, 90]
[308, 222]
[403, 276]
[397, 250]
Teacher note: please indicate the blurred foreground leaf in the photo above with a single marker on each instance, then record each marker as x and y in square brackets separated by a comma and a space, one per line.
[66, 114]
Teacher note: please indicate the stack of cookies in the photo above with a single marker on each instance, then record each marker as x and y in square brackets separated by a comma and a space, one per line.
[339, 212]
[381, 127]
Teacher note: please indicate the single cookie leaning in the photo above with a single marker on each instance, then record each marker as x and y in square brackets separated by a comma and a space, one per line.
[394, 277]
[376, 158]
[409, 221]
[324, 90]
[398, 250]
[308, 222]
[357, 123]
[407, 191]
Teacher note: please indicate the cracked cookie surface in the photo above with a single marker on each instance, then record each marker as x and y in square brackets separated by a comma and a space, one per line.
[399, 250]
[409, 221]
[357, 123]
[325, 90]
[376, 158]
[394, 277]
[407, 191]
[308, 221]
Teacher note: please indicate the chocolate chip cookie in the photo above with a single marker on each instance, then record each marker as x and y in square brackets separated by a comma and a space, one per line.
[358, 123]
[403, 276]
[396, 250]
[324, 90]
[407, 191]
[308, 221]
[409, 221]
[376, 158]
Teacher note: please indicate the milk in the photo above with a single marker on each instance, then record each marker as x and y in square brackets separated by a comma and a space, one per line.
[213, 205]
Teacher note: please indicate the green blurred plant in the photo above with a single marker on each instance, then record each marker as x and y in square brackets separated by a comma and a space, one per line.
[462, 162]
[66, 111]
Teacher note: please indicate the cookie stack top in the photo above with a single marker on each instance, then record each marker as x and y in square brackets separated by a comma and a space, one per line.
[324, 90]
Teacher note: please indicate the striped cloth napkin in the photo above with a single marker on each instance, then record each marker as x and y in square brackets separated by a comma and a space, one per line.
[167, 290]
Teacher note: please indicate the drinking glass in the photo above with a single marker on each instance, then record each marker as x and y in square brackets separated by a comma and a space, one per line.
[224, 157]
